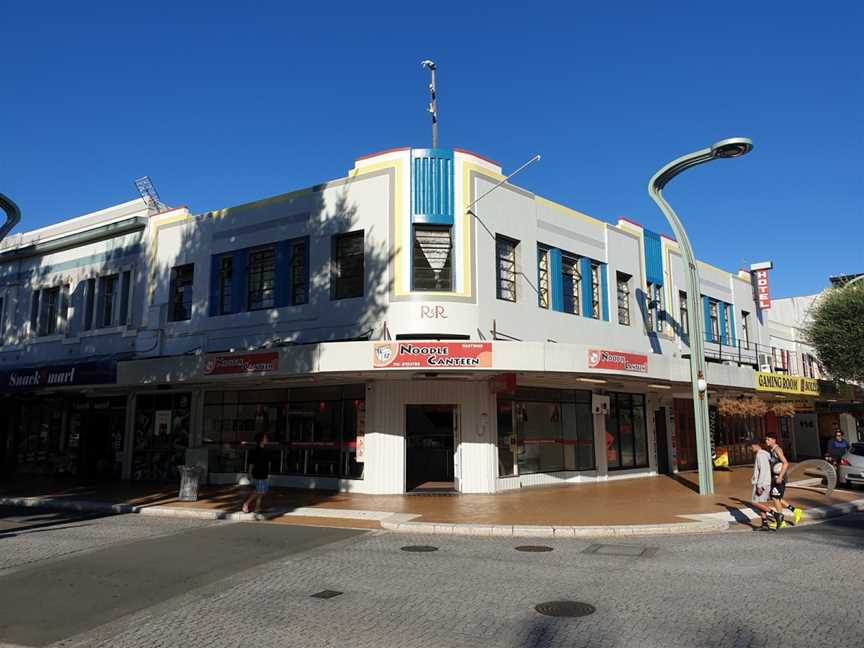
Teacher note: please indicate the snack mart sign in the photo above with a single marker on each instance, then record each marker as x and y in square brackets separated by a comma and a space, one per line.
[783, 384]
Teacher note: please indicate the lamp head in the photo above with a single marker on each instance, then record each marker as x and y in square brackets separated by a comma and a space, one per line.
[428, 64]
[732, 147]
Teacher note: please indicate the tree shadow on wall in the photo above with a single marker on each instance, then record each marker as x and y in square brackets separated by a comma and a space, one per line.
[318, 214]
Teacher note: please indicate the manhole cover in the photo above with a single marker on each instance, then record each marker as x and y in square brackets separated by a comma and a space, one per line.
[565, 609]
[326, 594]
[419, 548]
[534, 548]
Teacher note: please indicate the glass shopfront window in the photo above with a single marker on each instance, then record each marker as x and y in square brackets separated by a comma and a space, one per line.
[69, 436]
[626, 432]
[161, 436]
[545, 430]
[310, 431]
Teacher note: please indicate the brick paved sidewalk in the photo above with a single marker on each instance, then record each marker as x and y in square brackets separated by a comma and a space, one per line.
[662, 500]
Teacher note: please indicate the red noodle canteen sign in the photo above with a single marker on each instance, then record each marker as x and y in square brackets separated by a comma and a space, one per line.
[432, 355]
[618, 360]
[247, 363]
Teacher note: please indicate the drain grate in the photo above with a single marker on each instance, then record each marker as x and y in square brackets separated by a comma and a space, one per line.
[326, 594]
[630, 551]
[419, 548]
[565, 609]
[533, 548]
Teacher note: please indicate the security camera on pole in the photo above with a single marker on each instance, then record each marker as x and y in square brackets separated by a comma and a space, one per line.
[433, 103]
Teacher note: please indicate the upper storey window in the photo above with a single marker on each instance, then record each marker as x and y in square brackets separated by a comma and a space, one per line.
[347, 272]
[505, 268]
[433, 258]
[543, 282]
[571, 280]
[655, 308]
[262, 275]
[623, 281]
[182, 279]
[50, 310]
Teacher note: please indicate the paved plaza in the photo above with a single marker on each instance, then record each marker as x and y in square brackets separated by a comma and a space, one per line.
[132, 581]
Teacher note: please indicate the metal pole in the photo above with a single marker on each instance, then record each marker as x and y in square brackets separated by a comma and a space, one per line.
[433, 108]
[433, 104]
[698, 373]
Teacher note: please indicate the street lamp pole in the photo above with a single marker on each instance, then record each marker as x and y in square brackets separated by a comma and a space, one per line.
[728, 148]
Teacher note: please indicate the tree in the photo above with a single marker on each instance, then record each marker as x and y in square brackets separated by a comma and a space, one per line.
[837, 332]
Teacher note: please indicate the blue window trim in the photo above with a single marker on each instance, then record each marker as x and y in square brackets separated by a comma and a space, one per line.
[556, 285]
[706, 316]
[432, 178]
[284, 279]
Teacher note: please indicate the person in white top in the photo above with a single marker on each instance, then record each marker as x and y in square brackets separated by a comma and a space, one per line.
[761, 483]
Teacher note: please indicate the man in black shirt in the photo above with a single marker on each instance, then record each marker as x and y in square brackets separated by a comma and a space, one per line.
[259, 471]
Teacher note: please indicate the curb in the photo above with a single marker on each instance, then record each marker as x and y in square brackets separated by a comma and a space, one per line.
[517, 531]
[825, 512]
[401, 523]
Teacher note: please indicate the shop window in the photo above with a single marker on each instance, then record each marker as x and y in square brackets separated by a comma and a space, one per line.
[626, 433]
[505, 268]
[181, 291]
[226, 278]
[347, 272]
[161, 436]
[571, 280]
[261, 277]
[432, 258]
[623, 283]
[545, 431]
[310, 432]
[543, 286]
[299, 273]
[683, 313]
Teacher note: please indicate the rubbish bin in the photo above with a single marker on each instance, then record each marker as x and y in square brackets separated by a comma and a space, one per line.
[190, 477]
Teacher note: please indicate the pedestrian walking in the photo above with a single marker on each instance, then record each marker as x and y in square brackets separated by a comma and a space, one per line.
[779, 469]
[259, 473]
[761, 483]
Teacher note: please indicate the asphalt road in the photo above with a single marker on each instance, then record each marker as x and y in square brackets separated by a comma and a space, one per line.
[214, 585]
[61, 598]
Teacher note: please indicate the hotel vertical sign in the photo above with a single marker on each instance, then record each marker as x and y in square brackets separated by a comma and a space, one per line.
[761, 286]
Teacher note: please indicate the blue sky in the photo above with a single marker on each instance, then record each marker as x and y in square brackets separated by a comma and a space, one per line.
[222, 103]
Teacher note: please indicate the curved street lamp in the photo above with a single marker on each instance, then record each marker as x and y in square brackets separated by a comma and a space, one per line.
[13, 215]
[727, 148]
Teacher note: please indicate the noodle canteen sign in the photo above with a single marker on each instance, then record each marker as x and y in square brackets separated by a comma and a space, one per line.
[432, 355]
[618, 360]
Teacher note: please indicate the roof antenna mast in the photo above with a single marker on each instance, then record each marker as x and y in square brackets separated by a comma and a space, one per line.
[433, 104]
